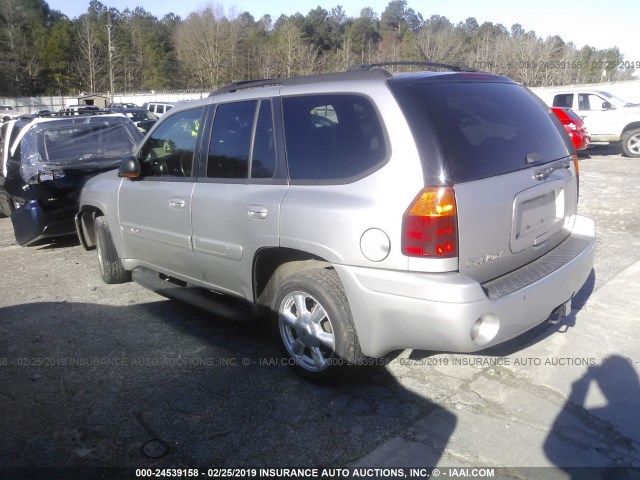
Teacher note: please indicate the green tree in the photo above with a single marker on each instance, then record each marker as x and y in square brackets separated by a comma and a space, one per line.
[57, 59]
[23, 35]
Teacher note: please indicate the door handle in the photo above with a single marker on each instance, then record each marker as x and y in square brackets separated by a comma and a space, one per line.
[177, 202]
[256, 211]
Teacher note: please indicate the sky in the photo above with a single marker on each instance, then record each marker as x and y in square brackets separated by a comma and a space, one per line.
[593, 22]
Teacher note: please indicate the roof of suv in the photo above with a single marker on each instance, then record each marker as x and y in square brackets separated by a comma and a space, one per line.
[369, 72]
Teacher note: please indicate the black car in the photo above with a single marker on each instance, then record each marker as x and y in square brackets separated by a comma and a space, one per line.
[141, 117]
[45, 162]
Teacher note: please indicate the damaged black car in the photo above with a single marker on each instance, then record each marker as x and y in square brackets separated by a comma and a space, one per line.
[45, 163]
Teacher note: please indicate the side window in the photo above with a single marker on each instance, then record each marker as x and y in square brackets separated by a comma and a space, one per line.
[231, 140]
[592, 102]
[331, 137]
[160, 108]
[170, 150]
[263, 159]
[564, 100]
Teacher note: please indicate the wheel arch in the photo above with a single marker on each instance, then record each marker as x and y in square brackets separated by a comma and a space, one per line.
[85, 222]
[272, 265]
[630, 126]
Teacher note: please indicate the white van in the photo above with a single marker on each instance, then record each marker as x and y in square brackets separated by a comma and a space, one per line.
[159, 108]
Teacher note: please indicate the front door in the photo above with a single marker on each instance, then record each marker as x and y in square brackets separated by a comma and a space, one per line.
[599, 121]
[155, 210]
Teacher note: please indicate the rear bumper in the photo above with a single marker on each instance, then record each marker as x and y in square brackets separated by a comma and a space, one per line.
[452, 312]
[32, 223]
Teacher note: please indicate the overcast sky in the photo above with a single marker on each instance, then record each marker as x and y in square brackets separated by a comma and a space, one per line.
[597, 23]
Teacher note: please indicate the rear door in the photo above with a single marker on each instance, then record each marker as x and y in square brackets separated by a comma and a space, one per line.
[514, 180]
[236, 203]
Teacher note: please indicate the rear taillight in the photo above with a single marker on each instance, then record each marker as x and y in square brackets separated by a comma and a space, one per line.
[576, 165]
[429, 225]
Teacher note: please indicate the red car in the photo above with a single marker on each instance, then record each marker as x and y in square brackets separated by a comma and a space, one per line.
[575, 127]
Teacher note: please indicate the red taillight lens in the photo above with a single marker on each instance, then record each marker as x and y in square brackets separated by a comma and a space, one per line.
[430, 224]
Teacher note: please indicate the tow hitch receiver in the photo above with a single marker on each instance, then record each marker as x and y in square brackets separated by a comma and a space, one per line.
[559, 313]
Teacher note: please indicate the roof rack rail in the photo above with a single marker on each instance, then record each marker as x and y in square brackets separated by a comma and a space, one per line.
[83, 112]
[247, 85]
[298, 80]
[371, 66]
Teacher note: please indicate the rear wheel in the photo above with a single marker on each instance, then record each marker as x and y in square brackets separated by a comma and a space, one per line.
[315, 325]
[111, 268]
[631, 143]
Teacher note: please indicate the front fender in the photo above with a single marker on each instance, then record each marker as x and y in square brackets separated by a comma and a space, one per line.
[99, 197]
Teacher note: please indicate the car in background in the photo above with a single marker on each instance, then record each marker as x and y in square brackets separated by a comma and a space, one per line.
[574, 126]
[609, 118]
[159, 108]
[141, 117]
[45, 162]
[8, 112]
[123, 105]
[8, 133]
[78, 110]
[43, 112]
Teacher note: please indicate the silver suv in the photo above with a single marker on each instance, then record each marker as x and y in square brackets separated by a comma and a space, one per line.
[367, 212]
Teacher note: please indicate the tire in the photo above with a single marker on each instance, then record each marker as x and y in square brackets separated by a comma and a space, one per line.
[9, 204]
[631, 143]
[111, 268]
[321, 342]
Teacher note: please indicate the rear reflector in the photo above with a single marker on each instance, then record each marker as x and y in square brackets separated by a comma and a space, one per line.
[429, 225]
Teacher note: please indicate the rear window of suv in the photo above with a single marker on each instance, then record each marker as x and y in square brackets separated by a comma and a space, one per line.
[332, 138]
[471, 130]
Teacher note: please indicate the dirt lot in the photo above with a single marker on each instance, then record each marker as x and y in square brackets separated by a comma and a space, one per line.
[100, 375]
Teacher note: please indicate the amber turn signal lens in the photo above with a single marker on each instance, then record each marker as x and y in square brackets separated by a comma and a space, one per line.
[434, 202]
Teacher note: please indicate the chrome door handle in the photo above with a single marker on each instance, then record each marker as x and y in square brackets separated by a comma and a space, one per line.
[177, 202]
[256, 211]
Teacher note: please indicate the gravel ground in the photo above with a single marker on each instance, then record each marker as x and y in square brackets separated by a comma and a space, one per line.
[101, 375]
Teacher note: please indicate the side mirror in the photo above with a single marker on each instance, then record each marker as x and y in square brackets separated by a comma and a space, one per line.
[129, 168]
[606, 106]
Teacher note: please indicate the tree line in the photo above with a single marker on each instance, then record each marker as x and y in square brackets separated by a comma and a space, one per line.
[42, 51]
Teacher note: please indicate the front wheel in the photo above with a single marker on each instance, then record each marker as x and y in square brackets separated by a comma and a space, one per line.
[314, 322]
[631, 143]
[111, 268]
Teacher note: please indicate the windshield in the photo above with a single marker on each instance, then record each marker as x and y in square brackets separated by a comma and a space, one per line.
[617, 99]
[80, 142]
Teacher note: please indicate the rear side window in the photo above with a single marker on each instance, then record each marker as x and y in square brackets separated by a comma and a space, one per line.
[231, 140]
[332, 137]
[481, 129]
[564, 100]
